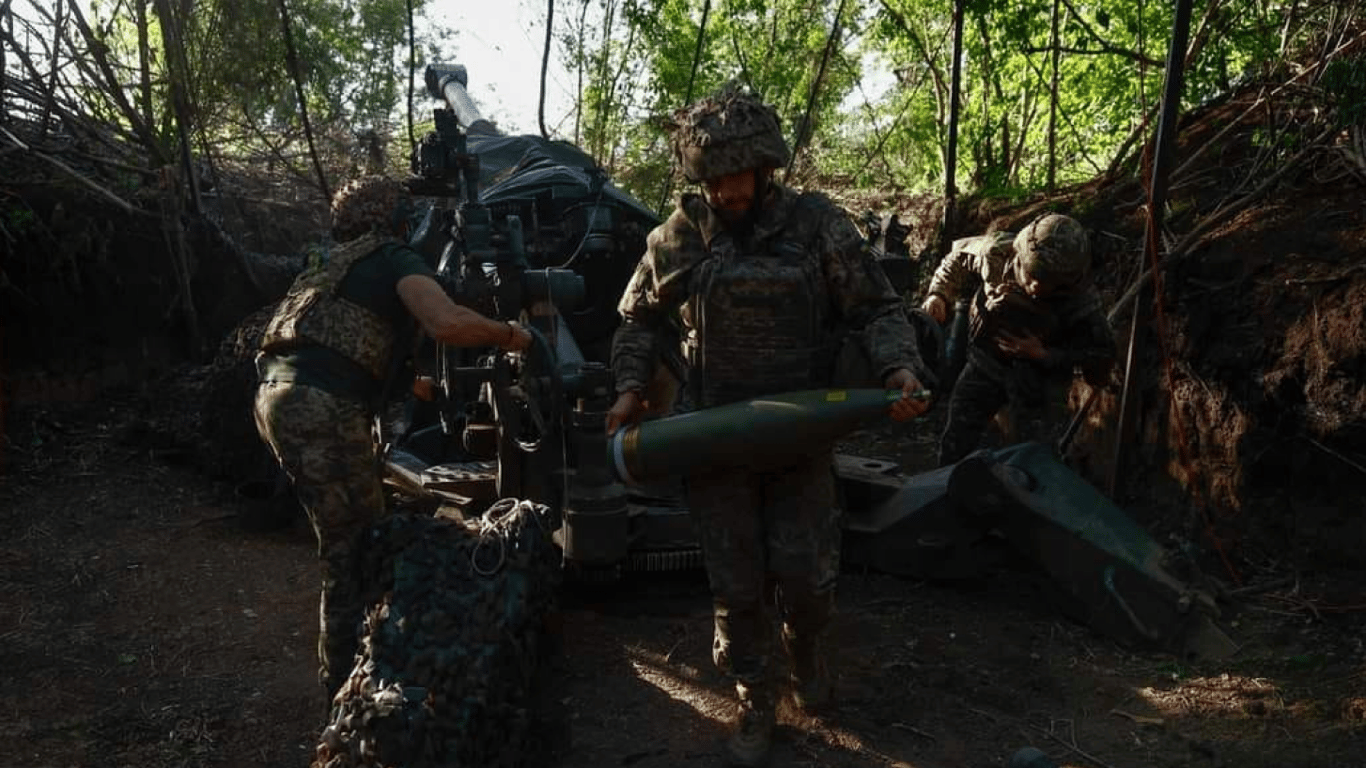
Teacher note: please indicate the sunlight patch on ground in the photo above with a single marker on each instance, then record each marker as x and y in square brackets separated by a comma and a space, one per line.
[810, 736]
[1225, 694]
[681, 682]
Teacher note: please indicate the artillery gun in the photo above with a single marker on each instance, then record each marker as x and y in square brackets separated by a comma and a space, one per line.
[523, 228]
[529, 229]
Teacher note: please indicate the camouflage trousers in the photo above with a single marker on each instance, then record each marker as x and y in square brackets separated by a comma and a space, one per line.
[759, 529]
[324, 444]
[1025, 401]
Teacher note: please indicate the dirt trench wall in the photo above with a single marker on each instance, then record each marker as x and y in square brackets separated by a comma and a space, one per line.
[1256, 422]
[95, 296]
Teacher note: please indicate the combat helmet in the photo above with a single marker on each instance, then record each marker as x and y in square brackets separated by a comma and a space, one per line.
[367, 203]
[1053, 249]
[727, 132]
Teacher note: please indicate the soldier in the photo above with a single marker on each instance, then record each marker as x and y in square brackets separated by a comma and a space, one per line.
[325, 359]
[756, 277]
[1035, 318]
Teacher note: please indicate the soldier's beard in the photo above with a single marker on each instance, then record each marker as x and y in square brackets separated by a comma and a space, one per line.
[741, 222]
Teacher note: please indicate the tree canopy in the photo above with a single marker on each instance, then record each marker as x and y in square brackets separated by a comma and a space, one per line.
[1052, 91]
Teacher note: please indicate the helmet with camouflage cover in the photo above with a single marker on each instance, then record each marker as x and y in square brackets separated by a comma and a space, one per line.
[368, 203]
[725, 133]
[1053, 249]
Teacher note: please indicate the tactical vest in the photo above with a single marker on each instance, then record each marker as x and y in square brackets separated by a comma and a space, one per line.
[756, 322]
[315, 312]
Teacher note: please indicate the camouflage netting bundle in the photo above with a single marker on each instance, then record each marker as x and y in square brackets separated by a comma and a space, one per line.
[449, 655]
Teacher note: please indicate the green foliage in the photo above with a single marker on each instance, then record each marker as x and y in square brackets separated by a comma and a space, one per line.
[352, 59]
[874, 102]
[17, 220]
[1345, 81]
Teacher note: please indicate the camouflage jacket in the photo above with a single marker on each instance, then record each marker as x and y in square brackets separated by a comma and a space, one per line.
[1078, 334]
[983, 257]
[855, 293]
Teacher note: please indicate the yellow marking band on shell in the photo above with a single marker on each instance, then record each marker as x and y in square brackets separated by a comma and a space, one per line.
[836, 396]
[625, 445]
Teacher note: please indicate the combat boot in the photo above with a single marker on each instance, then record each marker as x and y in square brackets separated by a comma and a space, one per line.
[813, 689]
[751, 741]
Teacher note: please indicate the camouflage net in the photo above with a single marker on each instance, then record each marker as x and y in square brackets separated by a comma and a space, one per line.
[448, 657]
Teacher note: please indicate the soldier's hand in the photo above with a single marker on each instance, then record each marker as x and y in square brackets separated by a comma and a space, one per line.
[424, 388]
[915, 399]
[1025, 345]
[936, 306]
[997, 295]
[626, 410]
[518, 340]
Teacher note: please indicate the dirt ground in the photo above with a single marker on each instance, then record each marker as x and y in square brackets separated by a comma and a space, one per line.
[144, 627]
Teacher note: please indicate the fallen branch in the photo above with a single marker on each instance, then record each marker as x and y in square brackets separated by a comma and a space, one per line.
[916, 731]
[1343, 275]
[1256, 589]
[1354, 465]
[1078, 750]
[1138, 719]
[124, 204]
[1262, 99]
[1195, 238]
[1298, 602]
[1191, 239]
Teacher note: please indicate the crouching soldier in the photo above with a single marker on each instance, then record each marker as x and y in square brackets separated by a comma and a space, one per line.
[1035, 320]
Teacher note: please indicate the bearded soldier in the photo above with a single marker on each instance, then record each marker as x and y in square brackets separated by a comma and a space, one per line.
[755, 278]
[1035, 318]
[325, 361]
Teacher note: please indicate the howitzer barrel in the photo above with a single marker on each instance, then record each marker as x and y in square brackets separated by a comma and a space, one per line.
[754, 433]
[448, 82]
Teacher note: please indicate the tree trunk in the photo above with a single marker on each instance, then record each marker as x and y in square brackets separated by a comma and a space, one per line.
[942, 88]
[1053, 104]
[804, 130]
[292, 59]
[579, 59]
[1203, 32]
[1164, 144]
[7, 19]
[51, 92]
[112, 88]
[604, 66]
[993, 76]
[144, 59]
[173, 54]
[947, 229]
[545, 62]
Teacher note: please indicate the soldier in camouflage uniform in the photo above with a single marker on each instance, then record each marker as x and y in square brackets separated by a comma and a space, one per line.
[324, 360]
[1035, 318]
[756, 277]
